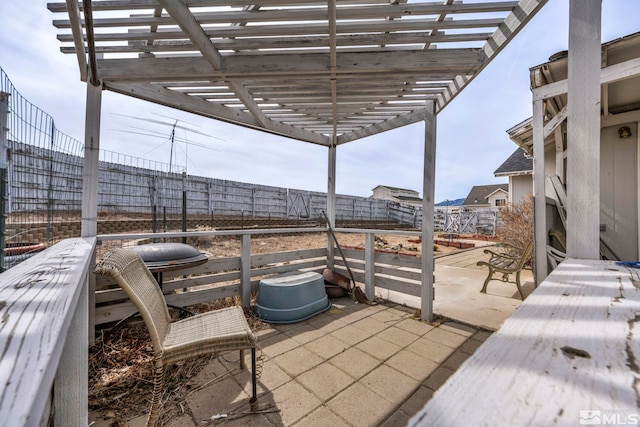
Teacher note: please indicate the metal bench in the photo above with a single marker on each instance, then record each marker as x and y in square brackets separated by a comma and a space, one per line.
[507, 263]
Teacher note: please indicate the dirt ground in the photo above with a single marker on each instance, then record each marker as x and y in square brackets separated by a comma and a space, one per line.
[230, 246]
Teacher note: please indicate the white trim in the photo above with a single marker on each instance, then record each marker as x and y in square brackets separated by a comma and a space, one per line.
[610, 74]
[539, 198]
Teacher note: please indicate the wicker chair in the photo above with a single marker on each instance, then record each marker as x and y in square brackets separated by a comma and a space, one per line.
[212, 332]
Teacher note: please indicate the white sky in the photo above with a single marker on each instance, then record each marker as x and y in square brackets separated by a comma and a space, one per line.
[471, 140]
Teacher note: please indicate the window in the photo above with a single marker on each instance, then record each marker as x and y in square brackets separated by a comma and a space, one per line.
[501, 202]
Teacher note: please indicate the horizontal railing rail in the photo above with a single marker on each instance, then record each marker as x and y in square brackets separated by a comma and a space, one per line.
[239, 275]
[44, 337]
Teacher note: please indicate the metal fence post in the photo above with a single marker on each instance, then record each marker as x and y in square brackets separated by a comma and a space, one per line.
[4, 113]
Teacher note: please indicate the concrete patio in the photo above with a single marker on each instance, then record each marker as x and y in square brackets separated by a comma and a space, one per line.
[355, 364]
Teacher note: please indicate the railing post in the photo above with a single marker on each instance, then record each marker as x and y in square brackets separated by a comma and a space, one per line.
[245, 270]
[71, 388]
[369, 267]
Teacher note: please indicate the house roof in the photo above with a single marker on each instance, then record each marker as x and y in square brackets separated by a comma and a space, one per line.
[479, 193]
[518, 163]
[408, 198]
[393, 188]
[325, 72]
[619, 96]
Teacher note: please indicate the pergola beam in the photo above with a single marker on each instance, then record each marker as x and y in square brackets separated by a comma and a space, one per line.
[78, 38]
[392, 123]
[199, 106]
[424, 63]
[183, 16]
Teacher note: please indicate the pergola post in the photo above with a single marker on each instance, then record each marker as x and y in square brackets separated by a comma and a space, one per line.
[539, 195]
[331, 198]
[89, 224]
[583, 130]
[428, 189]
[91, 158]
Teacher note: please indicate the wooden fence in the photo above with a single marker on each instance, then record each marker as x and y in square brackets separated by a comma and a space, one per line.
[240, 275]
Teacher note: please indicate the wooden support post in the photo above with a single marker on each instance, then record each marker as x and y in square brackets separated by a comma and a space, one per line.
[539, 198]
[245, 270]
[71, 387]
[369, 266]
[331, 199]
[89, 223]
[428, 189]
[91, 159]
[583, 130]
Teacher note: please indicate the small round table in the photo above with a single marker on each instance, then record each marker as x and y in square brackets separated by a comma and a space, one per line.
[161, 257]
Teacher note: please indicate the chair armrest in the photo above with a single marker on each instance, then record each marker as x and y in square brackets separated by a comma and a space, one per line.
[500, 254]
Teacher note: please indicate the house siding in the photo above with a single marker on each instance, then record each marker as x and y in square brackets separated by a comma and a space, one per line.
[519, 187]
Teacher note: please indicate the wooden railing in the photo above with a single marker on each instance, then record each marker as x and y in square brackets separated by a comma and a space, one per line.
[568, 356]
[240, 275]
[44, 339]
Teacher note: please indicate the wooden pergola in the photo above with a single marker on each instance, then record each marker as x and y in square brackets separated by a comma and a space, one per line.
[321, 72]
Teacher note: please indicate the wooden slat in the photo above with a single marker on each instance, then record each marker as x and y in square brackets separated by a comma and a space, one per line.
[570, 347]
[115, 312]
[387, 39]
[399, 272]
[296, 29]
[397, 10]
[398, 260]
[287, 256]
[214, 265]
[438, 63]
[312, 264]
[404, 287]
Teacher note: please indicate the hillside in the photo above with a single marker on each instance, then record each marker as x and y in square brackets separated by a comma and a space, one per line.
[456, 202]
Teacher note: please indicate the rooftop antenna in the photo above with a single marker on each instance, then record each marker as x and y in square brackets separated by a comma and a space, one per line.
[173, 138]
[173, 135]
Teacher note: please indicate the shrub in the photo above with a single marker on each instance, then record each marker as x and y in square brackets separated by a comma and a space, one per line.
[516, 227]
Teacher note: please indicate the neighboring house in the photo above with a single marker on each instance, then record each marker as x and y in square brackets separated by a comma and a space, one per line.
[519, 169]
[395, 194]
[593, 166]
[487, 196]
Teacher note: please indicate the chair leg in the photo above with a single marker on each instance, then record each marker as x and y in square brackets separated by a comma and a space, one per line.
[518, 285]
[158, 388]
[253, 403]
[486, 282]
[242, 364]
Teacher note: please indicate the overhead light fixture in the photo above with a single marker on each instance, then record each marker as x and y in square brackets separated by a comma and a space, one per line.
[624, 132]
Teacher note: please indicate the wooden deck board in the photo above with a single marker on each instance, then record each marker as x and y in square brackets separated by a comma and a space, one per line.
[572, 346]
